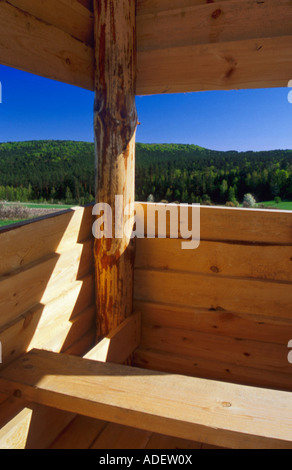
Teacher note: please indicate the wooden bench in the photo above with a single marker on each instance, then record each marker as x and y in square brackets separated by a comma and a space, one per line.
[222, 414]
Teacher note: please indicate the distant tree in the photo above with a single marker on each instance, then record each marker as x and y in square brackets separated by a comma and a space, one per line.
[249, 200]
[150, 198]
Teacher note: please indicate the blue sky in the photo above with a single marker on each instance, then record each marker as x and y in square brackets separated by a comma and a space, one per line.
[36, 108]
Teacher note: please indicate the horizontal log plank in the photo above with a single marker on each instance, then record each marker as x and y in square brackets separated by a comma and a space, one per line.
[146, 7]
[211, 23]
[244, 64]
[43, 281]
[213, 411]
[226, 224]
[211, 369]
[43, 324]
[219, 348]
[224, 323]
[219, 259]
[269, 299]
[69, 333]
[33, 240]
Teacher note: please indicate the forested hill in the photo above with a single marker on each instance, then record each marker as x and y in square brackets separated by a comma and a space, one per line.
[64, 170]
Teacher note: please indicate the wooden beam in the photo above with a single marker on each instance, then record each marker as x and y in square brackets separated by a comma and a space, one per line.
[118, 346]
[182, 46]
[250, 63]
[228, 224]
[30, 44]
[216, 413]
[115, 121]
[212, 23]
[70, 16]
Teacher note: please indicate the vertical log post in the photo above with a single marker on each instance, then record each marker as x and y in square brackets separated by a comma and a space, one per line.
[115, 121]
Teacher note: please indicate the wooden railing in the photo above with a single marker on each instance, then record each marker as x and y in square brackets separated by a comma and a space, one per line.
[221, 311]
[46, 284]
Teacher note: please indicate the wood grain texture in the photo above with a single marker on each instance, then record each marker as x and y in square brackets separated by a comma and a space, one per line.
[225, 224]
[210, 23]
[269, 299]
[250, 63]
[182, 46]
[211, 369]
[218, 259]
[274, 330]
[116, 436]
[234, 347]
[34, 240]
[43, 281]
[50, 326]
[80, 434]
[115, 121]
[118, 346]
[212, 411]
[157, 6]
[34, 46]
[70, 16]
[217, 348]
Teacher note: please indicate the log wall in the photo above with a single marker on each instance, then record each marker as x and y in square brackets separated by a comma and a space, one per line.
[222, 311]
[46, 283]
[46, 301]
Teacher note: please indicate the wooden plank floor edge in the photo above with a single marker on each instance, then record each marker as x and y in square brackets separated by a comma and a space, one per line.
[212, 412]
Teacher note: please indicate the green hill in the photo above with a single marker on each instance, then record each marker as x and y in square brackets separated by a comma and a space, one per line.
[64, 171]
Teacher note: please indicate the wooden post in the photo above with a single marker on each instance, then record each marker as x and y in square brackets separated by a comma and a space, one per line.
[115, 121]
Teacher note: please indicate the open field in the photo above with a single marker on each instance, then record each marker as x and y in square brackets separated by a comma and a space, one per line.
[35, 205]
[34, 210]
[11, 213]
[3, 223]
[283, 206]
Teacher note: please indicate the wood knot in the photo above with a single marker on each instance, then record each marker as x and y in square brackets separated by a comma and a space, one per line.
[17, 394]
[226, 404]
[216, 13]
[215, 270]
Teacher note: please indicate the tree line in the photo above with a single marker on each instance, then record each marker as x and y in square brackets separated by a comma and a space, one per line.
[188, 173]
[54, 171]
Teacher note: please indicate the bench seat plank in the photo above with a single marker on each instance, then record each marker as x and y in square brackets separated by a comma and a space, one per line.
[217, 413]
